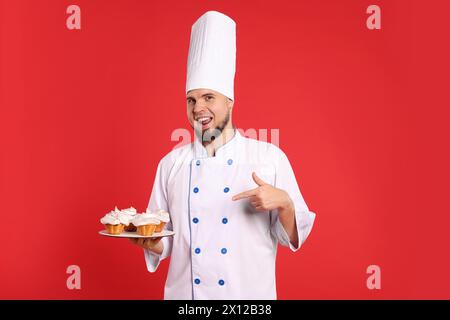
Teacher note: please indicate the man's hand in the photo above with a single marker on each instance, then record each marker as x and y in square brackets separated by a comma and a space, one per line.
[153, 244]
[266, 197]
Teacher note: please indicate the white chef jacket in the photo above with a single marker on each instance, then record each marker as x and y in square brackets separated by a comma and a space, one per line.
[223, 249]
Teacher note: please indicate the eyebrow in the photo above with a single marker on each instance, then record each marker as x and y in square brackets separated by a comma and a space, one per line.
[203, 95]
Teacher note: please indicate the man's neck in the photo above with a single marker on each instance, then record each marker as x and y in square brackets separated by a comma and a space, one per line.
[212, 146]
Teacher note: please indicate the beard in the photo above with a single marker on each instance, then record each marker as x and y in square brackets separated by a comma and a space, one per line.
[211, 134]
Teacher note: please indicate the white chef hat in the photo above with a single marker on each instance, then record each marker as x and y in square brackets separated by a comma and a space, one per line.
[212, 54]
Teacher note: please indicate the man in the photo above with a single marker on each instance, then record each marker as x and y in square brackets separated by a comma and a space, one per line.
[231, 199]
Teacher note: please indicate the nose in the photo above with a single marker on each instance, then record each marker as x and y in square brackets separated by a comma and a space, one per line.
[199, 107]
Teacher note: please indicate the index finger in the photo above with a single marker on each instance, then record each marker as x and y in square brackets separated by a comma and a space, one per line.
[245, 194]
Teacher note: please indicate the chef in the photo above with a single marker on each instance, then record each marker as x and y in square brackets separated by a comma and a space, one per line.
[231, 199]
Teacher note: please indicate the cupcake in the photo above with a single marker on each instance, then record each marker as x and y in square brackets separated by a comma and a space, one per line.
[145, 223]
[127, 215]
[163, 217]
[112, 223]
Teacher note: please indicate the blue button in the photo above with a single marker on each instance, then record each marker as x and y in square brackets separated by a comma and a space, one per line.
[195, 190]
[198, 162]
[197, 250]
[226, 189]
[221, 282]
[195, 220]
[197, 281]
[224, 220]
[224, 250]
[230, 162]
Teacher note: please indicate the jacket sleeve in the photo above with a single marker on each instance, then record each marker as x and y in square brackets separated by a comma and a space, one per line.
[304, 219]
[159, 200]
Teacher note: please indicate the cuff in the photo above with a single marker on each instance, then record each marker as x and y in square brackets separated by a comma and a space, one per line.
[304, 221]
[152, 259]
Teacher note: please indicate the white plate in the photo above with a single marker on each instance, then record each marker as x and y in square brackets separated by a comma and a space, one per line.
[125, 234]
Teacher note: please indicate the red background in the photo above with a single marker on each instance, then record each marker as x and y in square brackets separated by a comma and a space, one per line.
[363, 116]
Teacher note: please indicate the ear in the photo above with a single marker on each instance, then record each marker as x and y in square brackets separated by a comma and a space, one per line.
[230, 103]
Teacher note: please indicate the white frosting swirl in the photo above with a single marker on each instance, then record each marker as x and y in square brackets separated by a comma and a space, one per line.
[163, 215]
[126, 215]
[117, 216]
[111, 218]
[145, 218]
[129, 211]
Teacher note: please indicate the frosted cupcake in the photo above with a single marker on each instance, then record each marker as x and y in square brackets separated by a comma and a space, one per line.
[163, 217]
[112, 223]
[145, 223]
[127, 215]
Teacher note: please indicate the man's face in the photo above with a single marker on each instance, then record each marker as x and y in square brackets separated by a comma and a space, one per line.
[208, 111]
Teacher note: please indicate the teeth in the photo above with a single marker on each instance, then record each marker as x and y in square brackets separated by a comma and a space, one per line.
[203, 119]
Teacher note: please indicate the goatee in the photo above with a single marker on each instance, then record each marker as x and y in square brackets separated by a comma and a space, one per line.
[211, 134]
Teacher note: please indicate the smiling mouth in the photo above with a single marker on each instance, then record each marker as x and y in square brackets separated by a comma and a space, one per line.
[204, 120]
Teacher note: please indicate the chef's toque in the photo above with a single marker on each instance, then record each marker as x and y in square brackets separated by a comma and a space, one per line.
[212, 54]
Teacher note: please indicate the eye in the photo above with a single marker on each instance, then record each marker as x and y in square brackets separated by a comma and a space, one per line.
[207, 98]
[190, 100]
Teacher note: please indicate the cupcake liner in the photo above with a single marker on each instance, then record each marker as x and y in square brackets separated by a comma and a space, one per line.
[160, 226]
[114, 229]
[146, 230]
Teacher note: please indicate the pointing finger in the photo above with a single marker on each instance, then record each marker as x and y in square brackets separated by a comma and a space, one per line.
[258, 180]
[245, 194]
